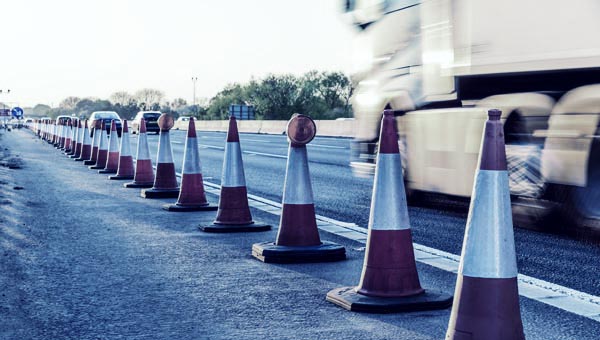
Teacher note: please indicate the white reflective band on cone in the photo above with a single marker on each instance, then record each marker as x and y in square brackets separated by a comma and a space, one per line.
[165, 154]
[103, 141]
[96, 141]
[191, 157]
[233, 174]
[125, 149]
[489, 245]
[114, 141]
[388, 205]
[298, 189]
[142, 148]
[80, 137]
[86, 136]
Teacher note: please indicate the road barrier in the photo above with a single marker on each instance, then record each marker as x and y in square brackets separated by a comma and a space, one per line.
[234, 213]
[144, 173]
[298, 237]
[125, 167]
[165, 182]
[191, 195]
[487, 304]
[389, 281]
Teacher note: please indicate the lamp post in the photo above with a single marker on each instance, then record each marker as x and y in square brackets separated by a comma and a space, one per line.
[194, 80]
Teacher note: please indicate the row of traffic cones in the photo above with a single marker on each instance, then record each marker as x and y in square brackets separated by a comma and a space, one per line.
[486, 304]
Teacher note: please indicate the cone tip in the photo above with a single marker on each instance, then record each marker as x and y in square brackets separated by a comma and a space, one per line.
[191, 128]
[494, 114]
[232, 132]
[142, 125]
[113, 125]
[125, 128]
[388, 112]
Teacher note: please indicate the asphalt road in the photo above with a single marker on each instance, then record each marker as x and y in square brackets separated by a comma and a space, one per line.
[340, 195]
[84, 258]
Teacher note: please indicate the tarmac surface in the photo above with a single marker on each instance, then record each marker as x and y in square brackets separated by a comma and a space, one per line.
[84, 258]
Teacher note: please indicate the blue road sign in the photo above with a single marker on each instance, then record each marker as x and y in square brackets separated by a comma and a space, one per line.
[17, 112]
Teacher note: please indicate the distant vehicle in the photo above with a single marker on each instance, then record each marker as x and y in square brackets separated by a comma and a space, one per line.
[151, 118]
[97, 117]
[181, 120]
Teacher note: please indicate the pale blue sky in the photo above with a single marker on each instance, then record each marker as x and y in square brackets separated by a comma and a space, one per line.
[53, 49]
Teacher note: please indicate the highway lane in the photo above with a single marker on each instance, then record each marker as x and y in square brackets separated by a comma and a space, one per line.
[341, 196]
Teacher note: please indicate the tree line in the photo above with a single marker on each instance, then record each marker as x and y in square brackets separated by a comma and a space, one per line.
[322, 95]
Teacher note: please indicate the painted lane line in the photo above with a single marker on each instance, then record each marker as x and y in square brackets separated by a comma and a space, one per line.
[570, 300]
[264, 154]
[327, 146]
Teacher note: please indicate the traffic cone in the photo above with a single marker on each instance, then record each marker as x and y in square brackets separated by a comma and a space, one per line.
[86, 147]
[73, 135]
[102, 149]
[95, 144]
[165, 182]
[144, 174]
[68, 138]
[389, 281]
[487, 296]
[191, 194]
[79, 143]
[234, 213]
[298, 237]
[112, 161]
[125, 166]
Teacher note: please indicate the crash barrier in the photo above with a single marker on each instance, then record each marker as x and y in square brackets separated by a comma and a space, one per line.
[487, 300]
[331, 128]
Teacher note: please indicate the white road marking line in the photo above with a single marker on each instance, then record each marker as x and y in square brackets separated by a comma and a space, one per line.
[327, 146]
[264, 154]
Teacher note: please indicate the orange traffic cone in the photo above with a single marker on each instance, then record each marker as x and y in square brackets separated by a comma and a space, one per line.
[298, 238]
[144, 174]
[102, 149]
[112, 161]
[86, 147]
[68, 135]
[191, 195]
[95, 145]
[74, 133]
[389, 281]
[234, 213]
[125, 167]
[165, 182]
[487, 296]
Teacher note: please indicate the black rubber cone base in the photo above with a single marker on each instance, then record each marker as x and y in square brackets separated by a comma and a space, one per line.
[160, 193]
[185, 208]
[138, 185]
[107, 171]
[88, 162]
[235, 228]
[119, 178]
[73, 156]
[348, 298]
[96, 167]
[269, 252]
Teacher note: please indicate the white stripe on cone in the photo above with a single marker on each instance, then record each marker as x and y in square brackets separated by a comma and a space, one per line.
[103, 140]
[165, 154]
[233, 174]
[488, 249]
[143, 152]
[113, 145]
[298, 189]
[125, 149]
[191, 157]
[388, 206]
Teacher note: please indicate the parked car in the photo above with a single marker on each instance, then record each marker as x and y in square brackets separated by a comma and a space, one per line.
[97, 117]
[151, 118]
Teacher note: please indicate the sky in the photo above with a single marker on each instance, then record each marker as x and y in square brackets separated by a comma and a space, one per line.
[93, 48]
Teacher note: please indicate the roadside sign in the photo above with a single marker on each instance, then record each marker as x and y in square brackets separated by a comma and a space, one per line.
[4, 112]
[17, 112]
